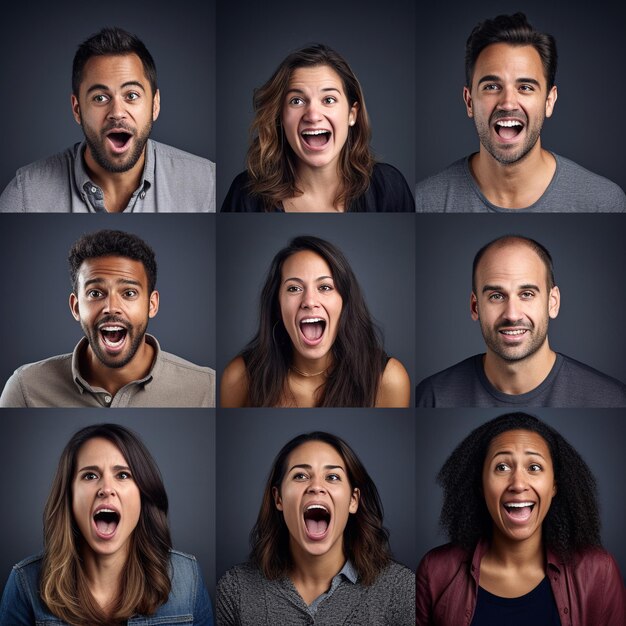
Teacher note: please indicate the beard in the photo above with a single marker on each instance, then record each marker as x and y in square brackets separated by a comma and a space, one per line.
[134, 338]
[96, 142]
[508, 154]
[492, 337]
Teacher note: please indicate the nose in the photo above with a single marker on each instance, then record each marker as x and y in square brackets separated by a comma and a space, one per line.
[313, 112]
[316, 486]
[106, 487]
[117, 109]
[512, 310]
[518, 482]
[112, 304]
[508, 98]
[309, 299]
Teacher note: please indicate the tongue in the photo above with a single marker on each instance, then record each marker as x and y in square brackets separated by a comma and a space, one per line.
[312, 331]
[508, 132]
[104, 527]
[317, 141]
[113, 335]
[520, 513]
[118, 139]
[316, 527]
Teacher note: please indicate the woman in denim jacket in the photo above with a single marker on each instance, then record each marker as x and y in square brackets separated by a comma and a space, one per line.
[107, 556]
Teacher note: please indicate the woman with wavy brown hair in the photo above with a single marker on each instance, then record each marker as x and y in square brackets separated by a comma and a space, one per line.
[309, 149]
[320, 552]
[107, 557]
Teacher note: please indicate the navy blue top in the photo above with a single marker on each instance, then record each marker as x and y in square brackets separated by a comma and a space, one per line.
[536, 607]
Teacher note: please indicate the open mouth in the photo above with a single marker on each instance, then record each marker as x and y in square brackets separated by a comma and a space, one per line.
[113, 336]
[106, 521]
[316, 521]
[312, 329]
[519, 511]
[315, 139]
[119, 140]
[513, 333]
[508, 129]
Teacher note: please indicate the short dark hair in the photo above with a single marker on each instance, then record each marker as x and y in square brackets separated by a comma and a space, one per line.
[366, 541]
[112, 243]
[535, 246]
[112, 41]
[572, 522]
[515, 31]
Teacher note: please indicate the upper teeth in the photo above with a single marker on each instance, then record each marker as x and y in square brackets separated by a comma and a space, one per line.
[519, 505]
[105, 511]
[508, 123]
[112, 328]
[513, 332]
[312, 320]
[314, 132]
[316, 506]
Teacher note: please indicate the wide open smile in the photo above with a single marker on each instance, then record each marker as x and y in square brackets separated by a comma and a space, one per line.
[119, 140]
[518, 512]
[113, 337]
[312, 330]
[316, 521]
[508, 129]
[513, 335]
[316, 138]
[106, 521]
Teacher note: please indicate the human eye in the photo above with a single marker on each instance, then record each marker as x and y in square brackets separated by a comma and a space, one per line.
[296, 101]
[527, 295]
[501, 467]
[293, 288]
[100, 98]
[94, 293]
[130, 293]
[89, 476]
[124, 475]
[496, 297]
[526, 88]
[133, 95]
[326, 287]
[333, 478]
[300, 476]
[329, 100]
[491, 87]
[535, 468]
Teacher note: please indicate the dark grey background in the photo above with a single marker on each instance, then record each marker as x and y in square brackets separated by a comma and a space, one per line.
[31, 442]
[376, 38]
[589, 263]
[248, 440]
[591, 47]
[35, 319]
[379, 248]
[37, 48]
[597, 434]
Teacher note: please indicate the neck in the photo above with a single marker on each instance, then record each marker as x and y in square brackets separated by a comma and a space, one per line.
[514, 185]
[509, 553]
[104, 575]
[118, 187]
[522, 376]
[310, 570]
[311, 367]
[112, 379]
[319, 185]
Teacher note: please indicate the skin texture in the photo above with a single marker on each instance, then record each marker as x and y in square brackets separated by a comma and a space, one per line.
[113, 291]
[509, 85]
[512, 296]
[316, 474]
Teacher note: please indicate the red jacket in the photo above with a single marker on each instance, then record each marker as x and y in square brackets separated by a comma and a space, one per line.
[589, 590]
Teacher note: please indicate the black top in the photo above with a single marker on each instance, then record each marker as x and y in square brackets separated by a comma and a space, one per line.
[536, 607]
[388, 192]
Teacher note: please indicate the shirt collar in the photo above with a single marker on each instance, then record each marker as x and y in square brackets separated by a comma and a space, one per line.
[83, 385]
[349, 571]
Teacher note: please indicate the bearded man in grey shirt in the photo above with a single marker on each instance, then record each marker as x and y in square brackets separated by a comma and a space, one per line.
[510, 71]
[116, 364]
[115, 99]
[514, 296]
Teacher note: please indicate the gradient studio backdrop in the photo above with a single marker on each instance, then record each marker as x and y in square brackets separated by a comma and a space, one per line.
[35, 319]
[597, 434]
[37, 48]
[31, 442]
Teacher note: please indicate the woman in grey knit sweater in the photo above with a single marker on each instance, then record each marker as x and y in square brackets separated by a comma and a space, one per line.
[320, 554]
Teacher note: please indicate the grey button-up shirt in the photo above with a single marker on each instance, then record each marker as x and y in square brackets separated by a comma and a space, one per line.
[172, 181]
[57, 382]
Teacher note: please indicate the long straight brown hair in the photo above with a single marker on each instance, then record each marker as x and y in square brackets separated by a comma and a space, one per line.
[271, 162]
[145, 583]
[365, 540]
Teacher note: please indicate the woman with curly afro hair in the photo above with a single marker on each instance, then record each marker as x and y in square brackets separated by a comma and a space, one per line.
[521, 511]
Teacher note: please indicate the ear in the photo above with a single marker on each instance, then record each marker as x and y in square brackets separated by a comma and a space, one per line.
[467, 98]
[551, 101]
[474, 307]
[74, 306]
[352, 116]
[277, 499]
[554, 302]
[75, 109]
[156, 105]
[153, 308]
[355, 498]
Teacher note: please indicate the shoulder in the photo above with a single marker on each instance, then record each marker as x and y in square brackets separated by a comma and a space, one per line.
[443, 560]
[395, 574]
[395, 386]
[241, 579]
[446, 381]
[239, 199]
[430, 192]
[388, 191]
[234, 384]
[177, 156]
[588, 382]
[28, 570]
[186, 368]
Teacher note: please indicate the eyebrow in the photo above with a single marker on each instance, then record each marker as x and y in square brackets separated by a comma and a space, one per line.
[128, 83]
[299, 280]
[495, 78]
[306, 466]
[119, 281]
[296, 90]
[500, 288]
[526, 452]
[95, 468]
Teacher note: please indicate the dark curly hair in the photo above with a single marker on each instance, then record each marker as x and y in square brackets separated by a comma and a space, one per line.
[112, 243]
[366, 541]
[571, 524]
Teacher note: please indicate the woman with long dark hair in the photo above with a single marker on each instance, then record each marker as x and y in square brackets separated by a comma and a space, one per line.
[319, 548]
[521, 512]
[310, 149]
[316, 344]
[108, 557]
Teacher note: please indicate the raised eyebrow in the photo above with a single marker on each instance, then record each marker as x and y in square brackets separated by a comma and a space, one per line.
[95, 468]
[526, 452]
[489, 78]
[308, 467]
[532, 81]
[128, 83]
[299, 280]
[119, 281]
[529, 286]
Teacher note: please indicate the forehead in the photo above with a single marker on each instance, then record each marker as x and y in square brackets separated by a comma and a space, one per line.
[305, 263]
[519, 440]
[113, 70]
[112, 268]
[509, 62]
[97, 451]
[512, 261]
[314, 452]
[316, 77]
